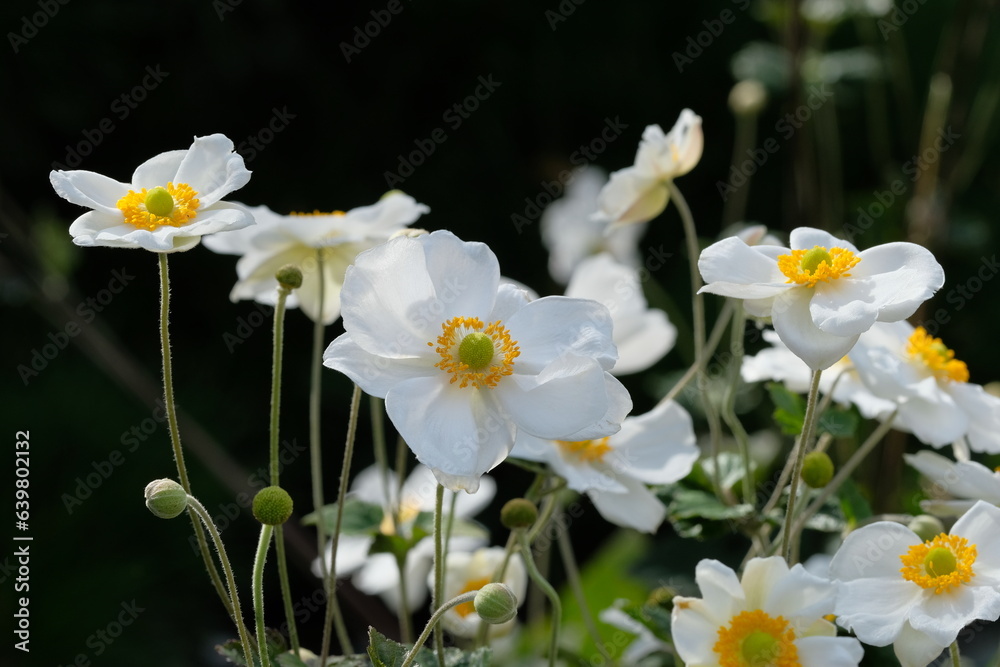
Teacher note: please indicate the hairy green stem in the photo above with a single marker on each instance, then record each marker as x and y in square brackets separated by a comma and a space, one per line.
[438, 591]
[808, 425]
[573, 577]
[258, 592]
[432, 623]
[956, 660]
[550, 592]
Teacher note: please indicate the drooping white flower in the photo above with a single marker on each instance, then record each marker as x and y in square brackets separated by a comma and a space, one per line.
[966, 481]
[465, 363]
[822, 294]
[571, 234]
[640, 193]
[469, 571]
[322, 245]
[771, 618]
[936, 401]
[780, 364]
[378, 573]
[641, 334]
[655, 448]
[915, 594]
[172, 200]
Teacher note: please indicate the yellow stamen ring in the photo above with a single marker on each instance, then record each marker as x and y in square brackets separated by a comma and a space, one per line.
[939, 564]
[475, 353]
[808, 267]
[585, 451]
[170, 206]
[756, 639]
[936, 356]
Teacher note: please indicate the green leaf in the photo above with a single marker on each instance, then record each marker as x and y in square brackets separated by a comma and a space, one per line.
[232, 650]
[790, 408]
[360, 518]
[730, 470]
[454, 657]
[839, 422]
[289, 660]
[696, 514]
[854, 505]
[383, 651]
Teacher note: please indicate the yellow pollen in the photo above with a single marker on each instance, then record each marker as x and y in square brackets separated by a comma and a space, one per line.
[939, 564]
[316, 212]
[756, 639]
[408, 511]
[808, 267]
[170, 206]
[585, 451]
[469, 607]
[484, 360]
[936, 356]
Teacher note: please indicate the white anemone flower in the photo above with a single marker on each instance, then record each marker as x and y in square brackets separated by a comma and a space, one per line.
[467, 571]
[172, 200]
[643, 335]
[823, 293]
[655, 448]
[378, 573]
[966, 481]
[896, 588]
[780, 364]
[306, 241]
[645, 643]
[640, 193]
[773, 617]
[937, 403]
[465, 363]
[571, 235]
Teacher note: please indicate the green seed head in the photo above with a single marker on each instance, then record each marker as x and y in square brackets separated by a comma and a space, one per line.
[940, 561]
[813, 258]
[518, 513]
[159, 202]
[759, 648]
[289, 276]
[476, 351]
[926, 527]
[817, 469]
[272, 506]
[165, 498]
[495, 603]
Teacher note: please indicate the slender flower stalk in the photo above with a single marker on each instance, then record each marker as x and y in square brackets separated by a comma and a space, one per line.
[332, 609]
[258, 592]
[956, 660]
[438, 592]
[175, 436]
[197, 509]
[529, 563]
[432, 623]
[729, 403]
[710, 345]
[573, 577]
[805, 438]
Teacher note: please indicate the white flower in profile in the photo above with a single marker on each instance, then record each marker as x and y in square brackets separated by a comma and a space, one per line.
[841, 379]
[645, 642]
[306, 239]
[641, 334]
[655, 448]
[640, 193]
[917, 595]
[571, 235]
[378, 573]
[465, 363]
[773, 617]
[172, 200]
[936, 401]
[966, 481]
[822, 294]
[467, 571]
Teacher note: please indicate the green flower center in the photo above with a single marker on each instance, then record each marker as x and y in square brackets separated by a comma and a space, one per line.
[759, 648]
[159, 202]
[940, 561]
[476, 350]
[813, 258]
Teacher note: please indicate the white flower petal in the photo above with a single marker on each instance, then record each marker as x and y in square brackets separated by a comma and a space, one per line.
[963, 479]
[981, 526]
[159, 170]
[983, 410]
[942, 616]
[800, 594]
[657, 447]
[794, 324]
[876, 608]
[805, 238]
[631, 196]
[873, 551]
[732, 268]
[90, 189]
[935, 422]
[375, 375]
[843, 307]
[915, 649]
[619, 405]
[556, 326]
[903, 276]
[212, 168]
[637, 508]
[829, 651]
[720, 588]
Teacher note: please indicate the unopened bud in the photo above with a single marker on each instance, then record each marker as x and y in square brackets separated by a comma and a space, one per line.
[926, 527]
[165, 498]
[817, 469]
[518, 513]
[272, 506]
[747, 97]
[289, 276]
[495, 603]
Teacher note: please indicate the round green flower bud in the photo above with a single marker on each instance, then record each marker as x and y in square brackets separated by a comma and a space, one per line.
[159, 202]
[495, 603]
[272, 506]
[518, 513]
[289, 276]
[165, 498]
[817, 469]
[926, 527]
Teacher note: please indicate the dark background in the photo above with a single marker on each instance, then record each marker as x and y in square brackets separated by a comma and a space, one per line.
[246, 69]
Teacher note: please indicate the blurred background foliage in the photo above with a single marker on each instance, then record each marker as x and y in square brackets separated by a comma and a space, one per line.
[321, 112]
